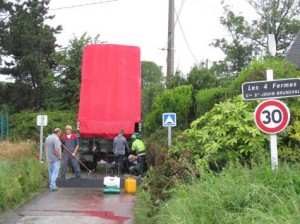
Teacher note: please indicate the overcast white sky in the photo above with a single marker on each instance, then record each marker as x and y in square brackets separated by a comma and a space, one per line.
[144, 23]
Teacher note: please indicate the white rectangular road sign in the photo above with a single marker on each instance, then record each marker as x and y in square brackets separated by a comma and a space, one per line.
[42, 120]
[169, 119]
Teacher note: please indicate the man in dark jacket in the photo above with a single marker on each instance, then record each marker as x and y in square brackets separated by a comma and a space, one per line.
[119, 148]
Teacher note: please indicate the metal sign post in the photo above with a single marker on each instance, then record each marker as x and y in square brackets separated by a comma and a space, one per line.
[41, 121]
[273, 137]
[41, 139]
[169, 120]
[169, 136]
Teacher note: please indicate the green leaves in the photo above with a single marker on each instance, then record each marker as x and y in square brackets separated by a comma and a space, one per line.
[248, 38]
[69, 69]
[29, 43]
[227, 132]
[152, 85]
[177, 100]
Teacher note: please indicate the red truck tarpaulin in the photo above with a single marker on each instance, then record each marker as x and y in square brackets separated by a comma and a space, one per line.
[110, 91]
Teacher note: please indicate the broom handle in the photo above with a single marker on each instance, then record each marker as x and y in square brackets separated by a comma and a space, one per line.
[76, 158]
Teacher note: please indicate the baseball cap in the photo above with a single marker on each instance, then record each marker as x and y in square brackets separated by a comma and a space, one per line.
[69, 127]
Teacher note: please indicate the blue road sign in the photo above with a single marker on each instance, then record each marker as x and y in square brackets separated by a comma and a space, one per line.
[169, 119]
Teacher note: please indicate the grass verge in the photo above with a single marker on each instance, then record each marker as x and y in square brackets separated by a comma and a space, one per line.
[237, 195]
[20, 173]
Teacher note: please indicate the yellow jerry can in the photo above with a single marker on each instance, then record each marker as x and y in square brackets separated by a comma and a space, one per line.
[130, 185]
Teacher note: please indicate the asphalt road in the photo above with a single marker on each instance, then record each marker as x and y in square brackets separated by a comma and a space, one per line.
[74, 206]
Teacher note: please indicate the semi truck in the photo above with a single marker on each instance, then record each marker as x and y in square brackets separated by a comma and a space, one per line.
[110, 99]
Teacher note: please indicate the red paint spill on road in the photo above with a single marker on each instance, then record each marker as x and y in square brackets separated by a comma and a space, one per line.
[106, 215]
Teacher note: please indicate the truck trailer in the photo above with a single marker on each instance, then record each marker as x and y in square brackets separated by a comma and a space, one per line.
[110, 99]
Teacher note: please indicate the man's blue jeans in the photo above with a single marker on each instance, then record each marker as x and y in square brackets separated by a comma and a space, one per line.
[53, 169]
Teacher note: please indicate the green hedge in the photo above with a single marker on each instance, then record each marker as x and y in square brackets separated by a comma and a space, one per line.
[256, 71]
[23, 125]
[207, 98]
[177, 100]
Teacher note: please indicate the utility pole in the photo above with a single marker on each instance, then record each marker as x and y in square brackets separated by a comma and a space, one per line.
[171, 29]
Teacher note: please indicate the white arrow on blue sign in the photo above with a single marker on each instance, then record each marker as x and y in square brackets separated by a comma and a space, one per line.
[169, 119]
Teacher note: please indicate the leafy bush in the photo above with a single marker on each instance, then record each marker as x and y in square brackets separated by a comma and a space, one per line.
[227, 132]
[237, 195]
[23, 125]
[164, 173]
[177, 100]
[289, 148]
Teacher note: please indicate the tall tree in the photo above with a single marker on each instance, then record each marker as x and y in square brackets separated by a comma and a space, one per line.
[178, 79]
[4, 7]
[152, 85]
[201, 78]
[248, 39]
[278, 17]
[30, 43]
[69, 70]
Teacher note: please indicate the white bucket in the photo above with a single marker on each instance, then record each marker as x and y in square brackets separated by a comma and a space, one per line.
[111, 182]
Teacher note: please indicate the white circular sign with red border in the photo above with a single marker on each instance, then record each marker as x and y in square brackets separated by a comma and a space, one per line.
[272, 116]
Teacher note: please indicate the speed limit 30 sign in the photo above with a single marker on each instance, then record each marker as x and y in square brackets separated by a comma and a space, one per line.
[272, 116]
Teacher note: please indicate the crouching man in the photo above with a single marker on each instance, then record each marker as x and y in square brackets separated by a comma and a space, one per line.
[139, 161]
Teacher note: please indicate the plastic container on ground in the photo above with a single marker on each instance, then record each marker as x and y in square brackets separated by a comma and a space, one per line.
[130, 185]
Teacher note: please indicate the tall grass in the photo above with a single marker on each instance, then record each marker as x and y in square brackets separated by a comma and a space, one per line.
[15, 151]
[21, 173]
[237, 195]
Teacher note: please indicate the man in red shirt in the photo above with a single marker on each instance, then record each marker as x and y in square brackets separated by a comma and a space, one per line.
[70, 145]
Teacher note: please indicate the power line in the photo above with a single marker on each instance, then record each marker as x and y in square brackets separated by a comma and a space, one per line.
[185, 39]
[207, 5]
[87, 4]
[177, 18]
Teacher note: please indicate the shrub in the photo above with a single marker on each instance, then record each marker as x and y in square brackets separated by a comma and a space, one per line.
[289, 148]
[227, 132]
[164, 173]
